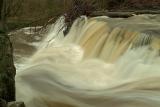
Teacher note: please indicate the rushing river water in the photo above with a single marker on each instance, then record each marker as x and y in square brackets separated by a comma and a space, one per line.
[102, 62]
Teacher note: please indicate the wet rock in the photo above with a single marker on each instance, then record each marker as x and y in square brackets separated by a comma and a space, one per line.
[7, 69]
[16, 104]
[3, 103]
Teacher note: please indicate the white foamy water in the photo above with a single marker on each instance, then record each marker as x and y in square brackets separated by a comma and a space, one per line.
[97, 64]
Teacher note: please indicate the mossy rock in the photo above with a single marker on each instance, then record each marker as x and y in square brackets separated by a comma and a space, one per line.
[7, 69]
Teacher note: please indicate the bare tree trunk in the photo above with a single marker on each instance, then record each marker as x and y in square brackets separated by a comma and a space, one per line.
[7, 69]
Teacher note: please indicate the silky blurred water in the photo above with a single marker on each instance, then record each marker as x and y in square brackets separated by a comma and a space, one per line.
[98, 64]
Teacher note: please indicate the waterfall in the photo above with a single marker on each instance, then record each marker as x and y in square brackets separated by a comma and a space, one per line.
[101, 62]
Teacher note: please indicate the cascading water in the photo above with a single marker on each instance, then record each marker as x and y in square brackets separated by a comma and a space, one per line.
[102, 62]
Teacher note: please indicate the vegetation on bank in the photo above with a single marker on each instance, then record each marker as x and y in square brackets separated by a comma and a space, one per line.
[38, 12]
